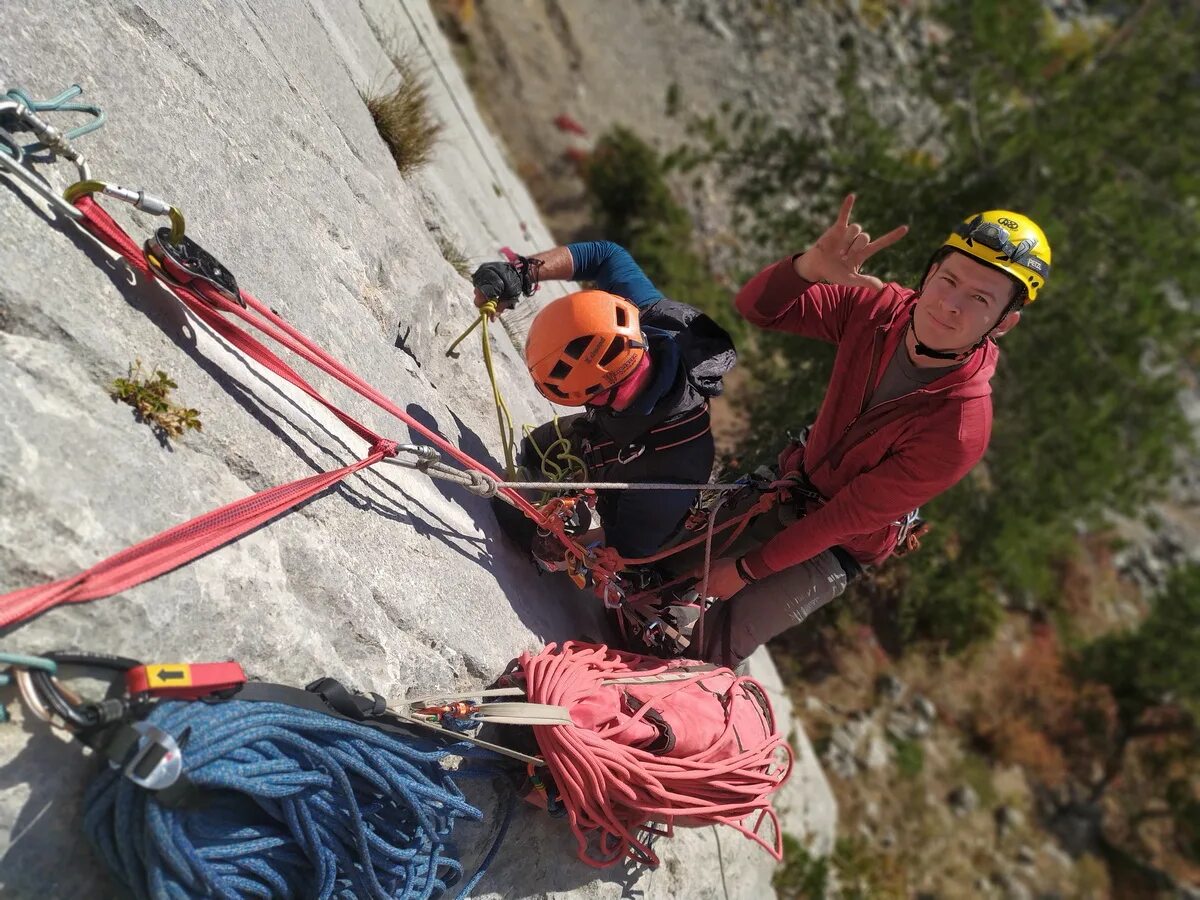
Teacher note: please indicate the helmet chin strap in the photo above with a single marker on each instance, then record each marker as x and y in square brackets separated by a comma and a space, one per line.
[923, 349]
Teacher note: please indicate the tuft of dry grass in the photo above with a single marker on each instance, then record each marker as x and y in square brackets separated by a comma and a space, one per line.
[403, 117]
[453, 255]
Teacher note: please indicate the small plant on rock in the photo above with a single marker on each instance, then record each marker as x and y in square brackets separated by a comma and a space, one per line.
[453, 254]
[149, 395]
[403, 117]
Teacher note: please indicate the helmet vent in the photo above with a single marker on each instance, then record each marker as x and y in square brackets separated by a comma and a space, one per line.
[576, 347]
[594, 389]
[614, 350]
[556, 392]
[560, 371]
[622, 318]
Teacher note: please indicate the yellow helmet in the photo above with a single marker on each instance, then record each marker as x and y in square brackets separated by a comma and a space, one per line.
[1007, 241]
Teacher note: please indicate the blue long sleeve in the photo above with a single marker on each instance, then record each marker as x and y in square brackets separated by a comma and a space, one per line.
[613, 270]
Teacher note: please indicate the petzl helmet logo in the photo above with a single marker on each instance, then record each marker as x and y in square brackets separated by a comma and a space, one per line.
[1008, 223]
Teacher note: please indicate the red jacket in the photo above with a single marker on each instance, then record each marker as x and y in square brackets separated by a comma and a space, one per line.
[876, 466]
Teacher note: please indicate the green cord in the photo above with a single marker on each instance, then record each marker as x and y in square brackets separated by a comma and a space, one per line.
[503, 416]
[28, 662]
[59, 104]
[565, 464]
[557, 462]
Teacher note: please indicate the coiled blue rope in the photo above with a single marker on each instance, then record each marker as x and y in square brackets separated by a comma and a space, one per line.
[291, 803]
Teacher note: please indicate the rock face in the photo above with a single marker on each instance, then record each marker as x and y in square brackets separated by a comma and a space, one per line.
[252, 122]
[619, 62]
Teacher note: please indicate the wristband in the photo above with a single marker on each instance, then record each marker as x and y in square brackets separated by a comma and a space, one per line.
[743, 570]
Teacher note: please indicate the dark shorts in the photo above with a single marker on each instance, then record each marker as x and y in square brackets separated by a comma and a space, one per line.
[759, 612]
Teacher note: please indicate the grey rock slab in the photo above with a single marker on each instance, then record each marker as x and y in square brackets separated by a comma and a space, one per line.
[250, 118]
[876, 752]
[904, 725]
[806, 805]
[963, 800]
[1008, 819]
[924, 707]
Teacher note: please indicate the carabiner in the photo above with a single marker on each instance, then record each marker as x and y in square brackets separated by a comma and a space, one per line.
[15, 167]
[23, 110]
[636, 452]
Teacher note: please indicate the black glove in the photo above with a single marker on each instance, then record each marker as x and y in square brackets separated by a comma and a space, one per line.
[508, 282]
[499, 281]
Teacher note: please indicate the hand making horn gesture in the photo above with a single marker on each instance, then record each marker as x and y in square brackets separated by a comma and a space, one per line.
[839, 253]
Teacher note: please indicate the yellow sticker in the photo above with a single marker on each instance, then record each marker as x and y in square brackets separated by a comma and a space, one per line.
[168, 675]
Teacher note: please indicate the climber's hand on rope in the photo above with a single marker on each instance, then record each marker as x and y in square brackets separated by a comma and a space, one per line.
[723, 578]
[501, 305]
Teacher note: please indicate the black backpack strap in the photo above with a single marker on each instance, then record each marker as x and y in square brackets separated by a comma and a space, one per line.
[353, 706]
[327, 696]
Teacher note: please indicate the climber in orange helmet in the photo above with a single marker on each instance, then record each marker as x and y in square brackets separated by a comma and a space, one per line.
[643, 367]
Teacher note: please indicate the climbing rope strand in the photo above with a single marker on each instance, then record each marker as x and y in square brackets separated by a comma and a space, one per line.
[503, 416]
[702, 591]
[172, 548]
[558, 462]
[557, 486]
[206, 301]
[488, 486]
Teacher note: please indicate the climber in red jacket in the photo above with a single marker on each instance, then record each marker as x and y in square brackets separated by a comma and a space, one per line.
[907, 413]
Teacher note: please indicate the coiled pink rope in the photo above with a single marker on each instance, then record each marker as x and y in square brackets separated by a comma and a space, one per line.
[618, 794]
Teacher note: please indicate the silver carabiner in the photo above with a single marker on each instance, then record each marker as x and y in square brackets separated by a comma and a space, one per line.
[624, 460]
[14, 165]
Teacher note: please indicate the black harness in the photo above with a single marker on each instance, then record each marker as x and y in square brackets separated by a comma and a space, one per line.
[600, 450]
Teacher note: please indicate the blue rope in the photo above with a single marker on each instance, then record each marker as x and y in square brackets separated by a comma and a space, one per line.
[57, 104]
[292, 803]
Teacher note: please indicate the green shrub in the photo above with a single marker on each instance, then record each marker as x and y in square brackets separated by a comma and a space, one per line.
[635, 207]
[910, 758]
[150, 397]
[802, 875]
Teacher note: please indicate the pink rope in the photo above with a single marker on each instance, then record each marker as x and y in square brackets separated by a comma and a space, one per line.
[614, 791]
[202, 534]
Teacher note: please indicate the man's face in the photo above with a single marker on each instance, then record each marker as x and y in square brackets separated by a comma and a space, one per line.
[961, 301]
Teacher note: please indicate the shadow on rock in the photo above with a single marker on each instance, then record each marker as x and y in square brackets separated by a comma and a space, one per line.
[538, 855]
[51, 775]
[536, 600]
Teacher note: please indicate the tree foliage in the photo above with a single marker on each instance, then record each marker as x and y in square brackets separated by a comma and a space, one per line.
[634, 206]
[1157, 663]
[1099, 144]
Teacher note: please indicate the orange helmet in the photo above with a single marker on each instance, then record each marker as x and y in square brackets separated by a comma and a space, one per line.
[582, 344]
